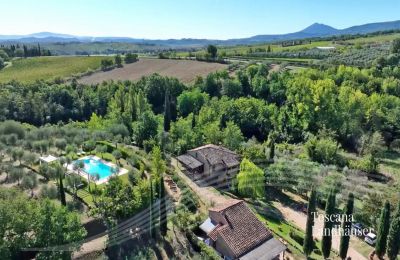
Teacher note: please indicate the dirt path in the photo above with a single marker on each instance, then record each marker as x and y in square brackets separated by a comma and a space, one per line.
[97, 244]
[300, 219]
[208, 197]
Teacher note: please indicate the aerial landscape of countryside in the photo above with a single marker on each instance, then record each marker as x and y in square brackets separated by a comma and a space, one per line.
[200, 130]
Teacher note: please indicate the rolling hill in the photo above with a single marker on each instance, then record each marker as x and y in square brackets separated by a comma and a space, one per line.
[314, 30]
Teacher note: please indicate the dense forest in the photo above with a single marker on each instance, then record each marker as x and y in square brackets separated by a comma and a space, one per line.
[17, 50]
[345, 102]
[8, 52]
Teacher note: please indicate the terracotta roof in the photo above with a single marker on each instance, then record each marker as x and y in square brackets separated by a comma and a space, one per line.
[214, 233]
[244, 231]
[217, 154]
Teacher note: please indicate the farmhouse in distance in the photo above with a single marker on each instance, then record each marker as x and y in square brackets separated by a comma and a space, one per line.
[212, 163]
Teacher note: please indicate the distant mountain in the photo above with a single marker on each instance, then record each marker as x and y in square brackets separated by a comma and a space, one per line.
[372, 27]
[314, 30]
[50, 35]
[322, 30]
[319, 29]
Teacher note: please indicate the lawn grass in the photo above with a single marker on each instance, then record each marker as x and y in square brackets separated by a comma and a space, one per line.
[390, 164]
[125, 178]
[282, 229]
[361, 246]
[48, 68]
[86, 197]
[271, 216]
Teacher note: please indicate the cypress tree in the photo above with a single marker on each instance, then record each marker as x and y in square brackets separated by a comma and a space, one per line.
[346, 227]
[271, 145]
[25, 51]
[167, 112]
[59, 172]
[326, 243]
[173, 108]
[383, 230]
[62, 192]
[308, 245]
[163, 208]
[393, 245]
[151, 226]
[193, 120]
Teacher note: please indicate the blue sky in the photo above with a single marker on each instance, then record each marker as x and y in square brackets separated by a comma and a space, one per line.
[161, 19]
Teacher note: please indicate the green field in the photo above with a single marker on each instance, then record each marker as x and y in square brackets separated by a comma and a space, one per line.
[95, 48]
[298, 60]
[276, 47]
[48, 68]
[376, 39]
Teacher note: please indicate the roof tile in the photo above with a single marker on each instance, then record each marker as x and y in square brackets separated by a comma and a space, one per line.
[244, 231]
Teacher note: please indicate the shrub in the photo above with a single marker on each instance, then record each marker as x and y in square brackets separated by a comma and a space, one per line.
[106, 64]
[198, 245]
[189, 201]
[2, 64]
[368, 164]
[322, 150]
[48, 191]
[131, 57]
[139, 254]
[134, 161]
[134, 177]
[317, 251]
[75, 205]
[12, 127]
[4, 55]
[110, 148]
[296, 237]
[89, 146]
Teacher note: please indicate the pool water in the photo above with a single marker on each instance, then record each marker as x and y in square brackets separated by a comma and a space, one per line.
[95, 166]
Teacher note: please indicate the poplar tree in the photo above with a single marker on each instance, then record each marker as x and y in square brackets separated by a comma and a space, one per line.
[346, 227]
[308, 245]
[250, 180]
[383, 230]
[326, 243]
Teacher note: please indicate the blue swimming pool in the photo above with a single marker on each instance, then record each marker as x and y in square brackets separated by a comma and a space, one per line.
[94, 165]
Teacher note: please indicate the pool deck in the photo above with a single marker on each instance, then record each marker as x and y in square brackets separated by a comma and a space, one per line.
[83, 174]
